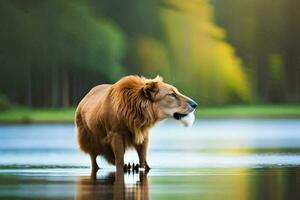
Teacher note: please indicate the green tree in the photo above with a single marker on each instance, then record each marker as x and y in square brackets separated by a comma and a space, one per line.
[265, 34]
[54, 51]
[203, 63]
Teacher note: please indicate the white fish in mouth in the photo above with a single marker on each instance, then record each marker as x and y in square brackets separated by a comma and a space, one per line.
[188, 120]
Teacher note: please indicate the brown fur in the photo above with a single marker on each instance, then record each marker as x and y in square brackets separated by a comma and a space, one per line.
[111, 118]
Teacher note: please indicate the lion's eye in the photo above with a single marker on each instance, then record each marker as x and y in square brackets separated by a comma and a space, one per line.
[173, 95]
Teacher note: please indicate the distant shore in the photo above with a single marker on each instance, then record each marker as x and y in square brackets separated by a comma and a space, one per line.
[66, 115]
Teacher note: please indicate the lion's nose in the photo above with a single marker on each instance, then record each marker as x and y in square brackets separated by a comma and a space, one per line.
[192, 103]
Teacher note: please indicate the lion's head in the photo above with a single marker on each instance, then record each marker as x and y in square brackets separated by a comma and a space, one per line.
[145, 101]
[170, 103]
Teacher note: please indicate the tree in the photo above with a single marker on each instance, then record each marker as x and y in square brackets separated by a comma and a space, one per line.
[265, 34]
[54, 51]
[203, 62]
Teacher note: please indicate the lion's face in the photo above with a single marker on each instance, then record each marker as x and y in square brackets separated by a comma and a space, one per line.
[171, 103]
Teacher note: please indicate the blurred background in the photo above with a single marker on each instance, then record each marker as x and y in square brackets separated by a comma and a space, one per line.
[218, 52]
[239, 59]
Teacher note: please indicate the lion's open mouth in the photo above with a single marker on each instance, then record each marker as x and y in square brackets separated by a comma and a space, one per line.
[178, 116]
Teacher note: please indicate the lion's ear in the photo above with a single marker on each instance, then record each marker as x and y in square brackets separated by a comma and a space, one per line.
[158, 78]
[150, 89]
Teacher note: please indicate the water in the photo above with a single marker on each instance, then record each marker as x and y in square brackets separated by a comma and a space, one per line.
[214, 159]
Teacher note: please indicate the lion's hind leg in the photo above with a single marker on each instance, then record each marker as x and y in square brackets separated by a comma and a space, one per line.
[85, 142]
[94, 164]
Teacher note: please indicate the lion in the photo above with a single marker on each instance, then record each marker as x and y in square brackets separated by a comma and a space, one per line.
[114, 117]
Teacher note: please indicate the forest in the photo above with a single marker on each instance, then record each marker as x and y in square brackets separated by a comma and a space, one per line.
[218, 52]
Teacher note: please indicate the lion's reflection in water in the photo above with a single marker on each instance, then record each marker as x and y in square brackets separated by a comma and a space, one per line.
[113, 186]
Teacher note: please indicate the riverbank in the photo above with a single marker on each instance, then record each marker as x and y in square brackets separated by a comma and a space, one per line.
[66, 115]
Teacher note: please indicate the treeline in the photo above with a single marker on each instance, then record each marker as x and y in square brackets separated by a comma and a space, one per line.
[266, 37]
[53, 51]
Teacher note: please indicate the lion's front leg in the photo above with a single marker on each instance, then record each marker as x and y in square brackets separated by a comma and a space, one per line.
[119, 150]
[142, 153]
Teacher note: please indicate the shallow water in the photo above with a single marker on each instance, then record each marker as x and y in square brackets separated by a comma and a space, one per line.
[214, 159]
